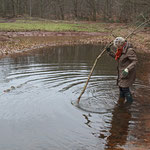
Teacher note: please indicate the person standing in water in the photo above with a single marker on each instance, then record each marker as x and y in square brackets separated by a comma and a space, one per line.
[127, 60]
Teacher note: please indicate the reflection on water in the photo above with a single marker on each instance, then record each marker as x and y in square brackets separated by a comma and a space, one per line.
[119, 129]
[36, 94]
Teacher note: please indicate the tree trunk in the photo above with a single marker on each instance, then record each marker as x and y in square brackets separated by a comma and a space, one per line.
[30, 6]
[75, 5]
[13, 8]
[92, 8]
[61, 8]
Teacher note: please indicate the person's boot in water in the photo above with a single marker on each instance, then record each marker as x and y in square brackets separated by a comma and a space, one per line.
[129, 98]
[121, 97]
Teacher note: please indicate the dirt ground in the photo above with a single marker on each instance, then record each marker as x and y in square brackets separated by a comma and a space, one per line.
[20, 42]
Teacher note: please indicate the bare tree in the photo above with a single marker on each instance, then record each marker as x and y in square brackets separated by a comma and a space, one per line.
[108, 10]
[75, 8]
[91, 4]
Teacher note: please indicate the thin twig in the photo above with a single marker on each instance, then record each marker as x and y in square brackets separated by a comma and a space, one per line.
[143, 17]
[100, 55]
[112, 34]
[137, 28]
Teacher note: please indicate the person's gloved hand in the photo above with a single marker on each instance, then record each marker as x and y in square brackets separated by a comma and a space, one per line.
[108, 49]
[125, 72]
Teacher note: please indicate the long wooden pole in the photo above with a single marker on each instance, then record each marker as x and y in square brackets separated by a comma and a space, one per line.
[100, 55]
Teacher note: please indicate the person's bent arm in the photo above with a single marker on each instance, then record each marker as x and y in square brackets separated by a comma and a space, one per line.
[110, 52]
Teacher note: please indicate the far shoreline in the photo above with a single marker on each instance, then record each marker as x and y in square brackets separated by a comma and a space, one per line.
[70, 33]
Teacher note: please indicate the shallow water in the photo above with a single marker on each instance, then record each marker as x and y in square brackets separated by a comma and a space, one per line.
[36, 94]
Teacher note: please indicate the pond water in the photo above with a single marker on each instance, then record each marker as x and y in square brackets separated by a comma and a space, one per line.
[36, 94]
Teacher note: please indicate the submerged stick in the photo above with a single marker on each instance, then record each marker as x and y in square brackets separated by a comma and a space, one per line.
[100, 55]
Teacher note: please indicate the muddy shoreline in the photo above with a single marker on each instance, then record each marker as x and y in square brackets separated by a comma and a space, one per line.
[21, 42]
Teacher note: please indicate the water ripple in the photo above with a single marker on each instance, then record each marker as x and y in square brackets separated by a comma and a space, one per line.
[36, 95]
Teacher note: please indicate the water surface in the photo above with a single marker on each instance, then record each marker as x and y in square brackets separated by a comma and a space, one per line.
[36, 94]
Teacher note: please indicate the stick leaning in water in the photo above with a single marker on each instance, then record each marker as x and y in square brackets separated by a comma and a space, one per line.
[100, 55]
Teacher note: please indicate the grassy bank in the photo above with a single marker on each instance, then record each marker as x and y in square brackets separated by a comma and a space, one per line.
[30, 25]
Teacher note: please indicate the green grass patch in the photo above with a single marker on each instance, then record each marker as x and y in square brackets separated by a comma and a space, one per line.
[29, 25]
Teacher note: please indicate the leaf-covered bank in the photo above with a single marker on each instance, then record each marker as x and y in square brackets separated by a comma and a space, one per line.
[20, 35]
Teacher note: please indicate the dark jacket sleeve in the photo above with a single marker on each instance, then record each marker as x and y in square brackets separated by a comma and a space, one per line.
[111, 53]
[133, 58]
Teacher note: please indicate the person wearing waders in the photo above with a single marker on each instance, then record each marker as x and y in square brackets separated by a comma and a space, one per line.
[126, 59]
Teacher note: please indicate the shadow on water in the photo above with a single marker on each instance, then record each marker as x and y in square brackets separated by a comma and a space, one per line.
[36, 94]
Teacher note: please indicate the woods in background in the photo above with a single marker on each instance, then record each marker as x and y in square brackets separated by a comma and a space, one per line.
[89, 10]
